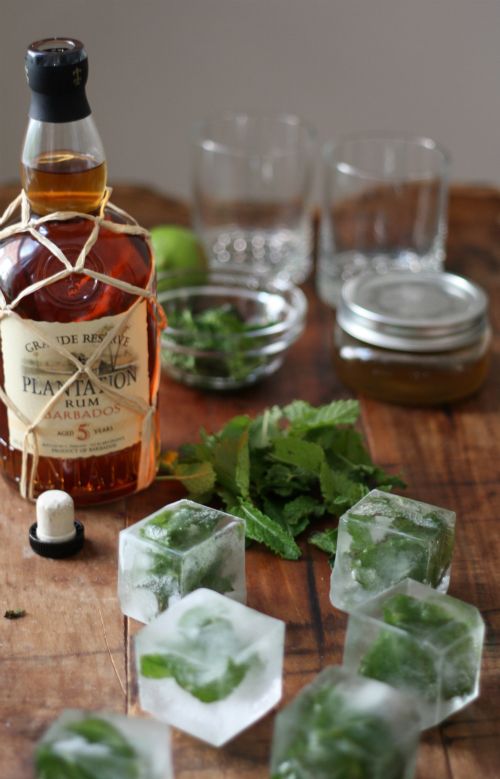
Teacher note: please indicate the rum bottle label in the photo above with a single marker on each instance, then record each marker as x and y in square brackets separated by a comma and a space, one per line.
[80, 415]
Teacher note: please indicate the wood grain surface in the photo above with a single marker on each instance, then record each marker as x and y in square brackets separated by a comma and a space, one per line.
[74, 649]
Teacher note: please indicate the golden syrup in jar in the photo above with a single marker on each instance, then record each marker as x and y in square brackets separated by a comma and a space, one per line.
[416, 339]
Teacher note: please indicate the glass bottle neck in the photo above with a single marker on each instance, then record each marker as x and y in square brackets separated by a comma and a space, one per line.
[63, 167]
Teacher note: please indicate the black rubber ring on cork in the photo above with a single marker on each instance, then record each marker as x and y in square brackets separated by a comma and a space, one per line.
[57, 550]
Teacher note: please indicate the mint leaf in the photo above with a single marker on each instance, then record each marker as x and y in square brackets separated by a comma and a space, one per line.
[162, 580]
[49, 765]
[305, 417]
[199, 452]
[178, 530]
[221, 329]
[385, 482]
[91, 748]
[209, 575]
[181, 528]
[434, 530]
[329, 738]
[200, 657]
[434, 624]
[325, 540]
[232, 458]
[402, 662]
[302, 507]
[306, 456]
[410, 543]
[264, 427]
[284, 480]
[298, 411]
[197, 478]
[420, 618]
[339, 490]
[98, 731]
[409, 661]
[14, 613]
[259, 527]
[188, 676]
[378, 566]
[360, 532]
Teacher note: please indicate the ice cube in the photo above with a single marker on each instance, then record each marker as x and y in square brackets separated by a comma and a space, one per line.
[178, 549]
[423, 642]
[101, 745]
[384, 539]
[210, 666]
[344, 725]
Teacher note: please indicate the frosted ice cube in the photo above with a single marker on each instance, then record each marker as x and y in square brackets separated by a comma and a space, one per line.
[421, 641]
[345, 725]
[384, 539]
[179, 548]
[210, 666]
[101, 745]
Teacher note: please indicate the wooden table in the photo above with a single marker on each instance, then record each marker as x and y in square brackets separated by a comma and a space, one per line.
[74, 649]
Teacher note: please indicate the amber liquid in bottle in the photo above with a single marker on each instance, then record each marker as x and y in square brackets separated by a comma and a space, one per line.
[64, 181]
[67, 182]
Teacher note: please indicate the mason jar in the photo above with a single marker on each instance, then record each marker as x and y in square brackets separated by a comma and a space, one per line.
[412, 338]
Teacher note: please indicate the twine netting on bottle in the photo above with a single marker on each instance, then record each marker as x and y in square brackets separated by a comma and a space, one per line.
[83, 369]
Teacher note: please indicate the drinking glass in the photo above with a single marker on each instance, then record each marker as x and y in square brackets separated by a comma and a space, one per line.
[385, 208]
[252, 178]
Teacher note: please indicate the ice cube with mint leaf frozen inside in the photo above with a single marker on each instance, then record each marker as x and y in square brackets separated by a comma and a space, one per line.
[385, 538]
[180, 548]
[343, 726]
[210, 666]
[421, 641]
[102, 745]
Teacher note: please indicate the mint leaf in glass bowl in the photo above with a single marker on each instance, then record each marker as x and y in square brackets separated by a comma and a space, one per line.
[230, 331]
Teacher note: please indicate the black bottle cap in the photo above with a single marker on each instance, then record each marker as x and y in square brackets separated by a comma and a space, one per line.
[57, 70]
[57, 550]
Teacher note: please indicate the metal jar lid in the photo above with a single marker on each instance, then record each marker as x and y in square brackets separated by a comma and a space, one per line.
[419, 312]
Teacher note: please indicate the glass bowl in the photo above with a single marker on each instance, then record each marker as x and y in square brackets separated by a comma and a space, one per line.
[229, 331]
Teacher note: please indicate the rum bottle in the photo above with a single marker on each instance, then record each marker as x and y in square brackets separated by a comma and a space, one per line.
[79, 326]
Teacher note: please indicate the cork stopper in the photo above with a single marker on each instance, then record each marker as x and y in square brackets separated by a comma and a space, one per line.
[56, 533]
[55, 517]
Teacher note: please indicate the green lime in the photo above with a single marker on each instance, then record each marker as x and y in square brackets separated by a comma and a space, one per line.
[179, 255]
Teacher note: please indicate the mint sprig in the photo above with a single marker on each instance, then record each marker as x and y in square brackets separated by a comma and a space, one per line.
[282, 471]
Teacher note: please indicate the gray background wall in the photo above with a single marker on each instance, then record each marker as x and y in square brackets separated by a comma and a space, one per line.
[425, 66]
